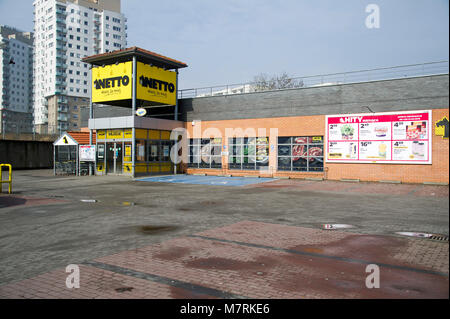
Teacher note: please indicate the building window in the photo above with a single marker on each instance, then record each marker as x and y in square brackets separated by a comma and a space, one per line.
[205, 153]
[304, 154]
[248, 153]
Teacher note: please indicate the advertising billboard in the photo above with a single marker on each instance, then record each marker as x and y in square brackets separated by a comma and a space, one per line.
[87, 153]
[112, 82]
[394, 137]
[156, 84]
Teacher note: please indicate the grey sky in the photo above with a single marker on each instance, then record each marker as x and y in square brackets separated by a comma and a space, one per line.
[231, 41]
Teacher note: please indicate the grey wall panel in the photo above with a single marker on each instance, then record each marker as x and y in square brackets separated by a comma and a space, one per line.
[428, 92]
[26, 154]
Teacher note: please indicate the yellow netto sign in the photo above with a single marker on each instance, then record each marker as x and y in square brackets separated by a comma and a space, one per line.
[101, 134]
[156, 84]
[112, 82]
[114, 134]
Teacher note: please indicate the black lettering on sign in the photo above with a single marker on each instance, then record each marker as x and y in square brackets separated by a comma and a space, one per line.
[112, 82]
[156, 84]
[445, 124]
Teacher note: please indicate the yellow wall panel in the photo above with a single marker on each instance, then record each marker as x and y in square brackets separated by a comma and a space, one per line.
[141, 134]
[155, 84]
[165, 135]
[112, 82]
[153, 134]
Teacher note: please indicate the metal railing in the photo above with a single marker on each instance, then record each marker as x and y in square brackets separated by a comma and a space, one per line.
[395, 72]
[12, 130]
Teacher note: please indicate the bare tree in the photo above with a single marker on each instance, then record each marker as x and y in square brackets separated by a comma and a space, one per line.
[263, 82]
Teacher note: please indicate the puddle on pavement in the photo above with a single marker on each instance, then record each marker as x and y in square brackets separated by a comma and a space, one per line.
[155, 229]
[256, 266]
[123, 289]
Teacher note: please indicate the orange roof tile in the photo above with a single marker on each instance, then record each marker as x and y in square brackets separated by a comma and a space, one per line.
[82, 137]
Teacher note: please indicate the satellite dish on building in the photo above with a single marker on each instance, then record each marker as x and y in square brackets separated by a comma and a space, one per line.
[141, 112]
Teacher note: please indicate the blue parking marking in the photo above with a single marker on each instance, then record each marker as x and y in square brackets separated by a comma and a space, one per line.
[206, 180]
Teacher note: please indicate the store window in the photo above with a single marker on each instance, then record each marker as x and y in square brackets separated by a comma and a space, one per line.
[205, 153]
[304, 153]
[249, 153]
[140, 150]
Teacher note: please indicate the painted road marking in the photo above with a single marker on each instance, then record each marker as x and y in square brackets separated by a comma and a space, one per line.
[207, 180]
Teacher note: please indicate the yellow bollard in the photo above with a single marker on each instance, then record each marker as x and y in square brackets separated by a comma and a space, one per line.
[9, 181]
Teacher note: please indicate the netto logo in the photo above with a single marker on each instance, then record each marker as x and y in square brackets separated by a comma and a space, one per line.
[112, 82]
[156, 84]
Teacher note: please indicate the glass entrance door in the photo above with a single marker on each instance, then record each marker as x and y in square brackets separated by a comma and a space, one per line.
[114, 158]
[119, 158]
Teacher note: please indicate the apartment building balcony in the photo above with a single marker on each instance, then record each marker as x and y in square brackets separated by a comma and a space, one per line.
[61, 50]
[63, 109]
[60, 17]
[60, 64]
[61, 11]
[60, 90]
[60, 81]
[60, 8]
[61, 24]
[61, 38]
[61, 72]
[62, 117]
[62, 100]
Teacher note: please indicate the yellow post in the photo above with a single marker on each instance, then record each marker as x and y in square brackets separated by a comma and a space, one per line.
[9, 181]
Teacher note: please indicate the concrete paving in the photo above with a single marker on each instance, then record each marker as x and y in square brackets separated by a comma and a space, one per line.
[44, 226]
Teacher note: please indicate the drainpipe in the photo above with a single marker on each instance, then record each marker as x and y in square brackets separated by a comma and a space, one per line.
[176, 119]
[91, 116]
[133, 112]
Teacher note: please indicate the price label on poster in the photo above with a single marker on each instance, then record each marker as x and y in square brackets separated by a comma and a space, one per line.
[87, 153]
[394, 137]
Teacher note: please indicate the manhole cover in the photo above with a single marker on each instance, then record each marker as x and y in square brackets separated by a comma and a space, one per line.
[424, 235]
[412, 234]
[439, 237]
[89, 200]
[336, 226]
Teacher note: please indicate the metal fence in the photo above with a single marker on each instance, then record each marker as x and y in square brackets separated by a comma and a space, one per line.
[23, 131]
[396, 72]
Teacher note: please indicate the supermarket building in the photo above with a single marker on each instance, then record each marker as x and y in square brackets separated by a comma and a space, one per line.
[391, 130]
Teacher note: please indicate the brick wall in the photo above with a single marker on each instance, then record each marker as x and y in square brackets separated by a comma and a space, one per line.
[315, 125]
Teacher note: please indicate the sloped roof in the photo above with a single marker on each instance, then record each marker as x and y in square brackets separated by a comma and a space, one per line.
[142, 55]
[82, 138]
